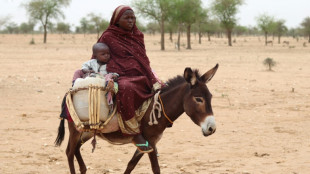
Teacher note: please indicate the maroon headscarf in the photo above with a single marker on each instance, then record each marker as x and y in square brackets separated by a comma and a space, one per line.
[127, 49]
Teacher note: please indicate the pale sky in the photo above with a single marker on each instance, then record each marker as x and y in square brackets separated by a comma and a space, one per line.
[292, 11]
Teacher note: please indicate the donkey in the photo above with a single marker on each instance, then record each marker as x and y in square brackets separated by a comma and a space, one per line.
[188, 94]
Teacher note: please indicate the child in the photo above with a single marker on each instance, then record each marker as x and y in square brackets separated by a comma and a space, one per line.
[101, 54]
[97, 65]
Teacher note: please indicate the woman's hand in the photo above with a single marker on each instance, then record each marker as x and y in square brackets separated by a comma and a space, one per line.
[156, 87]
[114, 77]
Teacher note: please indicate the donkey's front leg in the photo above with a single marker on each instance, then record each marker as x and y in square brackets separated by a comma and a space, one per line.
[154, 161]
[133, 162]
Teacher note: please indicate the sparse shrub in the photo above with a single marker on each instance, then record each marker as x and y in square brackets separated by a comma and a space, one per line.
[304, 44]
[269, 62]
[291, 47]
[32, 42]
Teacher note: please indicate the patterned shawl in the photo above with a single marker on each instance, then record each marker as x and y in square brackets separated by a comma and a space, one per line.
[128, 54]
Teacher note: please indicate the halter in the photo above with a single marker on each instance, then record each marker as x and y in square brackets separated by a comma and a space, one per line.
[164, 110]
[159, 107]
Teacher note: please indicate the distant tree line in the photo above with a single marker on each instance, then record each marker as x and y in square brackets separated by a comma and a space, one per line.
[176, 17]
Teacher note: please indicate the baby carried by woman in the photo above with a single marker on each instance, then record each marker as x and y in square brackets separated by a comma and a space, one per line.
[96, 67]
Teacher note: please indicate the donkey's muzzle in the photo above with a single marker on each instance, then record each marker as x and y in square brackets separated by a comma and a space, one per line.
[208, 126]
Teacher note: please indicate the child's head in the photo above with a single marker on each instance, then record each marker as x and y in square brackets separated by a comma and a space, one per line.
[101, 52]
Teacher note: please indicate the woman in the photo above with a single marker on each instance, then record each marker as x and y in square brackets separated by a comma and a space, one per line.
[129, 60]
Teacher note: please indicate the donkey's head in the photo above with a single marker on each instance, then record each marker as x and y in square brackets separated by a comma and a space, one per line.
[197, 103]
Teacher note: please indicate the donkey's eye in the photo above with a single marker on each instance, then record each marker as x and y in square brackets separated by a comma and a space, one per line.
[199, 99]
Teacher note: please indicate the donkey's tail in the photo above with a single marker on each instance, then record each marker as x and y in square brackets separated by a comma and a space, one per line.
[61, 133]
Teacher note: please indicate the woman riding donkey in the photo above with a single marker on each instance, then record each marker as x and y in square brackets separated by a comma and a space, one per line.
[183, 94]
[136, 81]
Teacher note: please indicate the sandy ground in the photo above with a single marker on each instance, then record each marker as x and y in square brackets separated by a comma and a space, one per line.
[263, 118]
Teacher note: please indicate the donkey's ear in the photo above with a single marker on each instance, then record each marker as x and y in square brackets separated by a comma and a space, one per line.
[190, 76]
[208, 75]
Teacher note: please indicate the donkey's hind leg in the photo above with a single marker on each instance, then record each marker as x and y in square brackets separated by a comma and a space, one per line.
[83, 138]
[134, 161]
[72, 145]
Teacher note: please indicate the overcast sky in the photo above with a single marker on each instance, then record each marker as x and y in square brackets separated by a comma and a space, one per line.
[292, 11]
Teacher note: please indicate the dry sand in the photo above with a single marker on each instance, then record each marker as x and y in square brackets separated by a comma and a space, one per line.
[262, 126]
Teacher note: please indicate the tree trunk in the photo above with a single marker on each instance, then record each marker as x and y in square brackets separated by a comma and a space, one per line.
[266, 38]
[45, 33]
[189, 37]
[97, 35]
[179, 37]
[309, 38]
[209, 36]
[229, 37]
[162, 30]
[200, 35]
[279, 39]
[170, 36]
